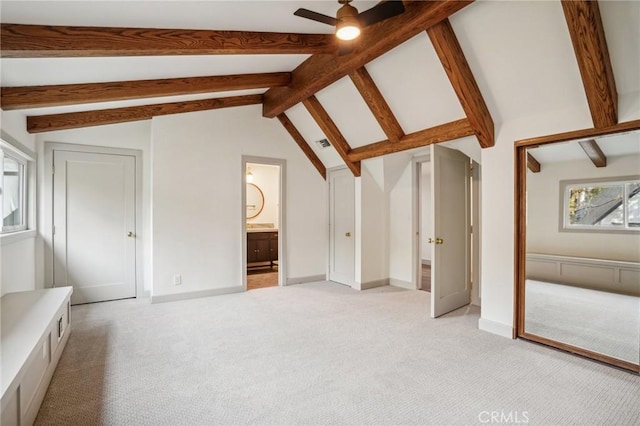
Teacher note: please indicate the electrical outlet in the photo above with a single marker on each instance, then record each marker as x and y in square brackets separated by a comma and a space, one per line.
[177, 280]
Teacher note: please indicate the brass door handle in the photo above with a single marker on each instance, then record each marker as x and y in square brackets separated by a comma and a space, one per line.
[347, 234]
[437, 241]
[130, 234]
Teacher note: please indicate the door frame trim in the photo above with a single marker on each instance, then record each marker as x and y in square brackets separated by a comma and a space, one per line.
[282, 217]
[47, 205]
[416, 261]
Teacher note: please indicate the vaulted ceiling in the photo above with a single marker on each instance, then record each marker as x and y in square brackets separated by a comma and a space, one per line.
[414, 79]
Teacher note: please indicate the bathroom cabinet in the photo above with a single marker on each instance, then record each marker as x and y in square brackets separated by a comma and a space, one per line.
[262, 249]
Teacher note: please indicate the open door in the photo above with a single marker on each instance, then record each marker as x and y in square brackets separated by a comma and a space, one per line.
[451, 225]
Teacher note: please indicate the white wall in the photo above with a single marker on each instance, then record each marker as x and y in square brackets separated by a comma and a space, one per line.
[18, 256]
[267, 178]
[135, 135]
[400, 230]
[197, 206]
[544, 210]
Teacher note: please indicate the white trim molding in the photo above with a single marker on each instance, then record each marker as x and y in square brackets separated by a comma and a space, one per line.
[196, 294]
[495, 327]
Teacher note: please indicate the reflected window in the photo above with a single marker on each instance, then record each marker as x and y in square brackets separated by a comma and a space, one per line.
[13, 193]
[608, 205]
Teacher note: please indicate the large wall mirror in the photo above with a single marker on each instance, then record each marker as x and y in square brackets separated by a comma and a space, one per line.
[578, 242]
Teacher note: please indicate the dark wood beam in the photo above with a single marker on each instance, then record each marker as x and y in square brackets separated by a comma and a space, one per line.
[332, 133]
[72, 94]
[303, 144]
[45, 41]
[627, 126]
[455, 64]
[593, 151]
[533, 164]
[445, 132]
[377, 104]
[590, 46]
[74, 120]
[319, 71]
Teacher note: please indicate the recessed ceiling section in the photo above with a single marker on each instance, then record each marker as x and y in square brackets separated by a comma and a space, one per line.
[415, 85]
[350, 113]
[526, 64]
[310, 131]
[28, 72]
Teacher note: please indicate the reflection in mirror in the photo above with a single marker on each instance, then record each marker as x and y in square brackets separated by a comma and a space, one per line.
[582, 255]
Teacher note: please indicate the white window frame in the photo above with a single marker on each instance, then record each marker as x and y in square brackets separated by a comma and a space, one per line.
[7, 150]
[565, 191]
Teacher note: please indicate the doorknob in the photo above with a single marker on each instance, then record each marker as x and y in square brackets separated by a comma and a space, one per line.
[347, 234]
[437, 241]
[130, 234]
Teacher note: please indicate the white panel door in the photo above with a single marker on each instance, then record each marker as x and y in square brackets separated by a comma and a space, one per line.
[451, 225]
[341, 227]
[94, 225]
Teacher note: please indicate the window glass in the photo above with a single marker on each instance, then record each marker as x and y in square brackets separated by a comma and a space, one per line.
[603, 205]
[13, 194]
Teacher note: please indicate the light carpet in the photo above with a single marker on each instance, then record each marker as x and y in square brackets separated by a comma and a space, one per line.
[607, 323]
[319, 353]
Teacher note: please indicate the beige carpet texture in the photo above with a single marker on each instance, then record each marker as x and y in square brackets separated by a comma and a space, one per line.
[319, 354]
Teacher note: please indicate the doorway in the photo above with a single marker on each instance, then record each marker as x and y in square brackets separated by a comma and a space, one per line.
[263, 222]
[444, 260]
[94, 212]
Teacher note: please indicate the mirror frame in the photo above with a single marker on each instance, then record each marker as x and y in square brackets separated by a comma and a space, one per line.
[261, 206]
[521, 243]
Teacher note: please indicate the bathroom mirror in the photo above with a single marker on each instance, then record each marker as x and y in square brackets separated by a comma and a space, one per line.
[255, 201]
[578, 242]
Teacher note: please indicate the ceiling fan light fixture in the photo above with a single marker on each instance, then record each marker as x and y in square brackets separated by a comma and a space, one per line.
[348, 28]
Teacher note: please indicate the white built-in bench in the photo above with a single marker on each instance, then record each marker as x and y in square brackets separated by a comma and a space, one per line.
[35, 328]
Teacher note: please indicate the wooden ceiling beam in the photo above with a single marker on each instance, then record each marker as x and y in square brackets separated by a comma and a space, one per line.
[73, 94]
[303, 144]
[319, 71]
[455, 64]
[590, 46]
[377, 104]
[332, 132]
[74, 120]
[445, 132]
[47, 41]
[593, 151]
[532, 164]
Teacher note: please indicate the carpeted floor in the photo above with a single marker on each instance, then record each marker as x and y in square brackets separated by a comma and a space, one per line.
[315, 354]
[606, 323]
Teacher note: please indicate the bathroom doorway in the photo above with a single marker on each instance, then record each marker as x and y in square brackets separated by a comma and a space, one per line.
[263, 222]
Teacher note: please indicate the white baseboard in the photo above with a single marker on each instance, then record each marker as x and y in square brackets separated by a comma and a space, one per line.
[495, 327]
[402, 284]
[195, 294]
[309, 279]
[373, 284]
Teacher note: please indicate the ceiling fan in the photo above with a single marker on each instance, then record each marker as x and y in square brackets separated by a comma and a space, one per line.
[348, 21]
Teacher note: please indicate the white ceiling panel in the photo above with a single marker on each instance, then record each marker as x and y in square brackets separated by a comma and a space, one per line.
[521, 56]
[416, 87]
[350, 113]
[310, 131]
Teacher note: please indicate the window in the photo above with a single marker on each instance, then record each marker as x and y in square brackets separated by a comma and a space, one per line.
[607, 205]
[13, 191]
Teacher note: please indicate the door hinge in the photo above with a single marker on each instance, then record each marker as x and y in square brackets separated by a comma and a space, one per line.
[53, 169]
[53, 230]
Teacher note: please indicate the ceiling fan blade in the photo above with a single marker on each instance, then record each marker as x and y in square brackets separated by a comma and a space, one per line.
[380, 12]
[315, 16]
